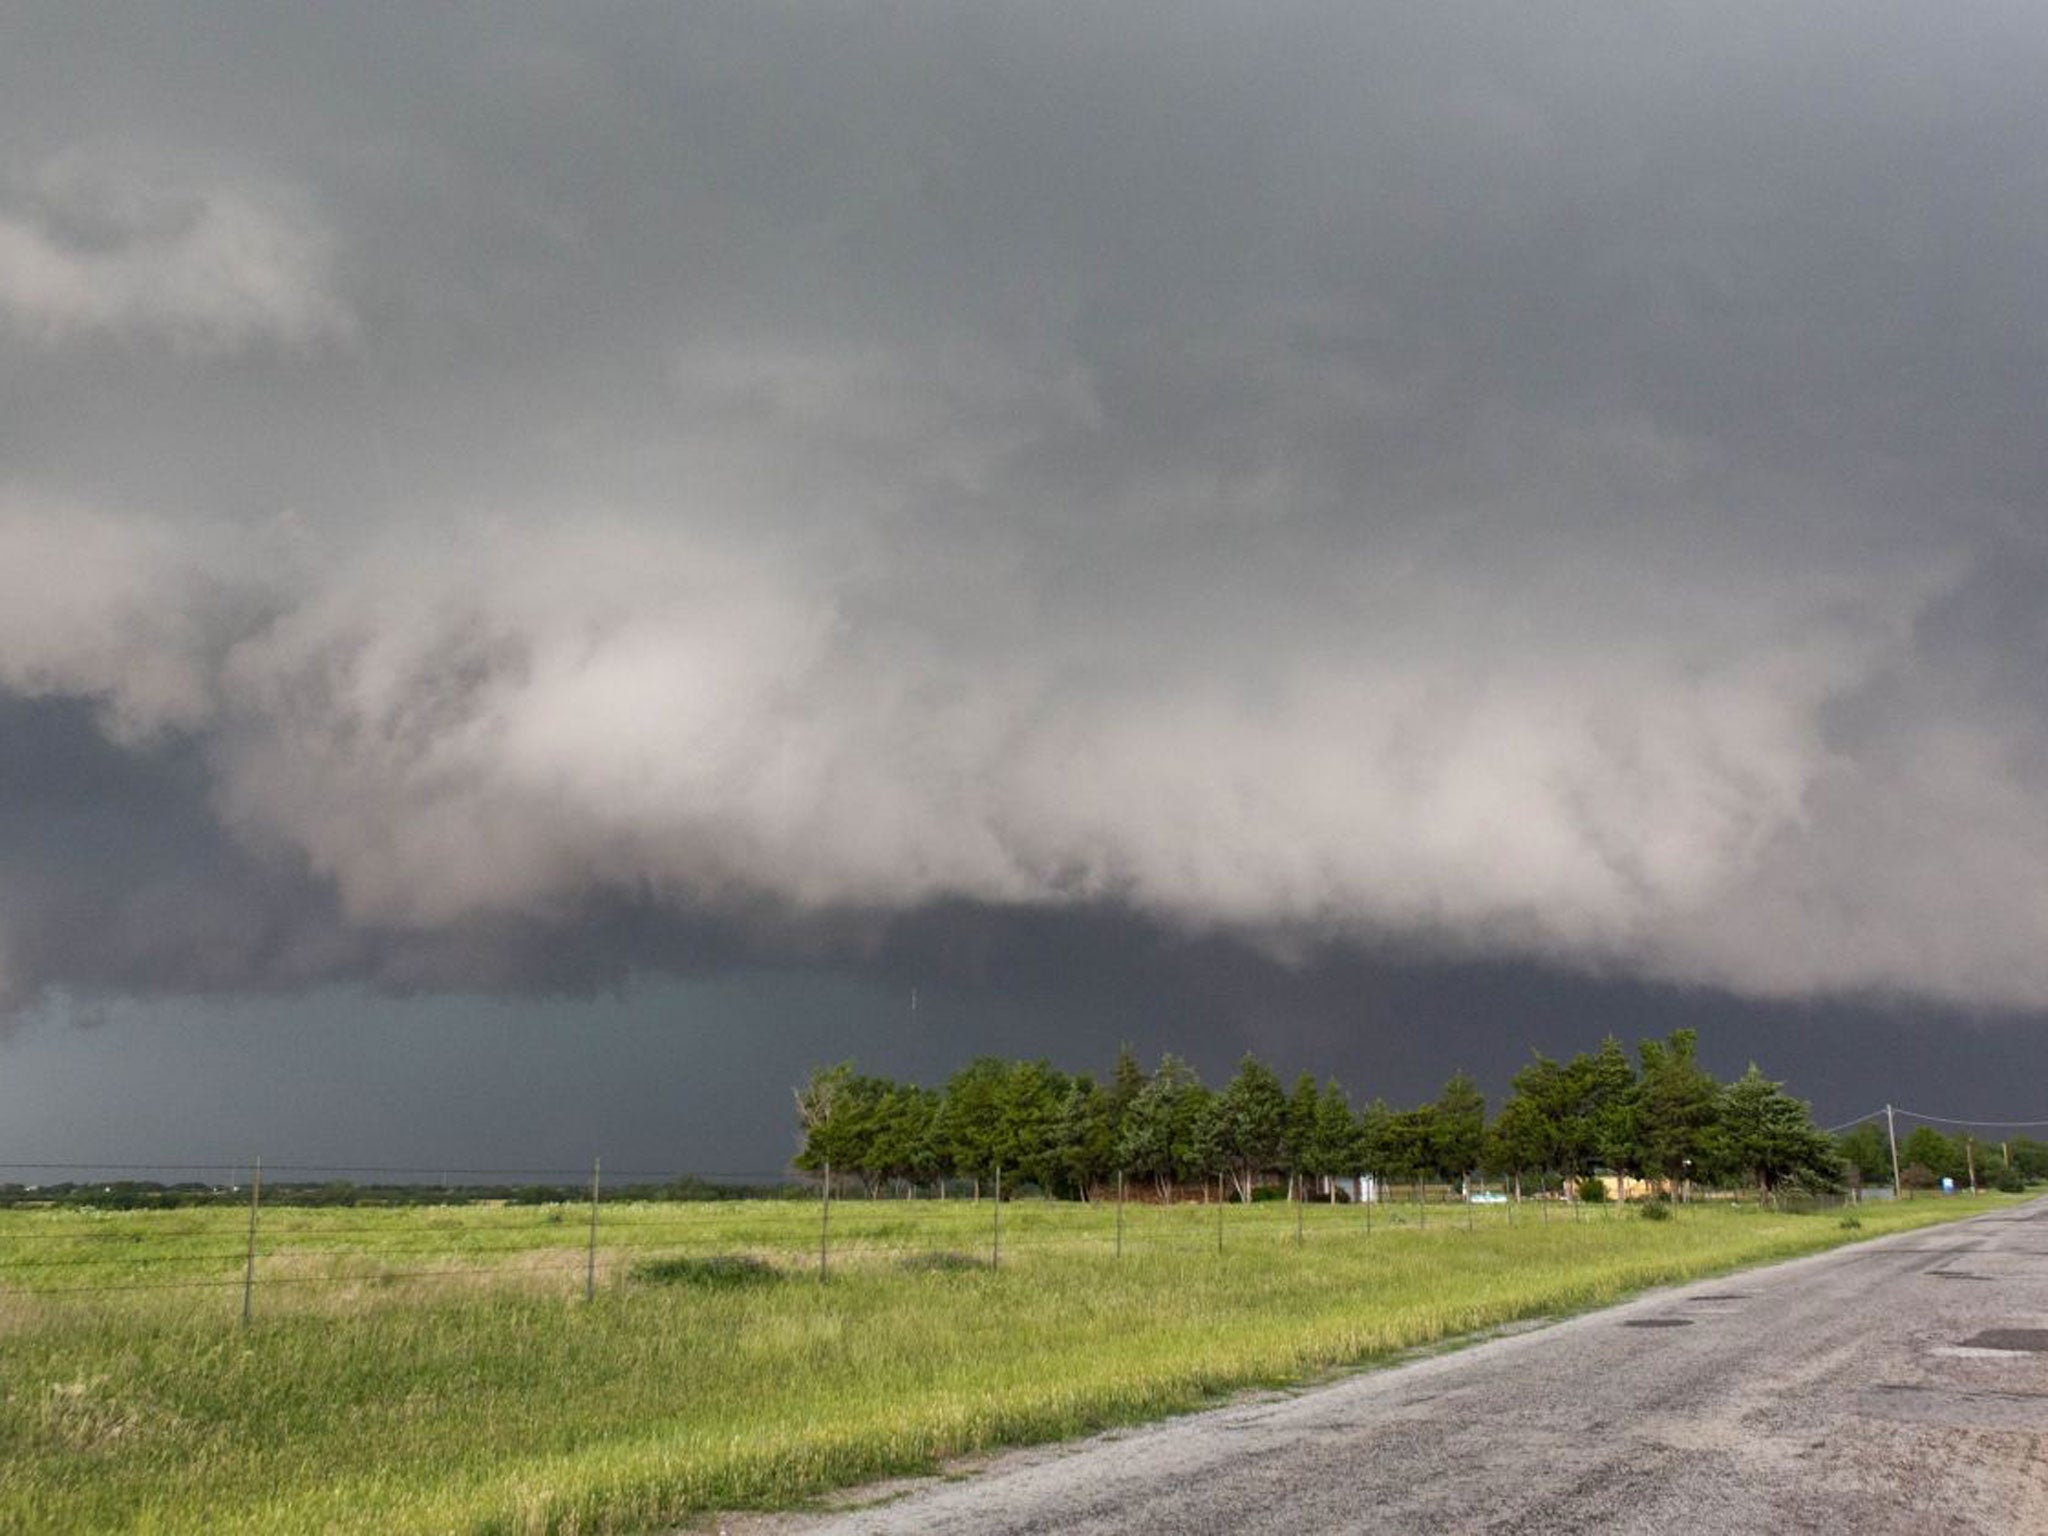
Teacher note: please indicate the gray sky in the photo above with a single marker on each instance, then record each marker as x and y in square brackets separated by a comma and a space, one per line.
[542, 520]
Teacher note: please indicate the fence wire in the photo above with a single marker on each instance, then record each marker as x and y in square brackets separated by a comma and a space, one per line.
[566, 1245]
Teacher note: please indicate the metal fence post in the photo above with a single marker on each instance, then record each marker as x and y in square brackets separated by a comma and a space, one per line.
[824, 1219]
[1119, 1213]
[249, 1265]
[995, 1252]
[590, 1265]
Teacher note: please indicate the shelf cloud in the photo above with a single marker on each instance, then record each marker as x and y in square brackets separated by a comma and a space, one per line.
[1547, 486]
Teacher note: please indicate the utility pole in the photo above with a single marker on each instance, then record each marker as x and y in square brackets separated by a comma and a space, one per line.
[1891, 1131]
[1970, 1155]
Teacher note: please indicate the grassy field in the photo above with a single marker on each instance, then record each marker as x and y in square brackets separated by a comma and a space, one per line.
[438, 1369]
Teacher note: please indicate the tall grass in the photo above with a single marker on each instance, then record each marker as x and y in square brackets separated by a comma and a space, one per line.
[490, 1396]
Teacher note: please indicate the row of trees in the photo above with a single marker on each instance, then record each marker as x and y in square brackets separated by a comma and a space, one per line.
[1661, 1116]
[1926, 1157]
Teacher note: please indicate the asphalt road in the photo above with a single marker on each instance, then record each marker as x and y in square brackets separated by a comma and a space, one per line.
[1893, 1386]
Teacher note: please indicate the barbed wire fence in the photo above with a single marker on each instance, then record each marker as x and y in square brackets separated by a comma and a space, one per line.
[305, 1227]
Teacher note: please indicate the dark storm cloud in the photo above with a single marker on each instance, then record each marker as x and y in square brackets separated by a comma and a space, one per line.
[543, 495]
[119, 881]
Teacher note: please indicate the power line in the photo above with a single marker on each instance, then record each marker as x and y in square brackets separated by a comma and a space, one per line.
[1914, 1114]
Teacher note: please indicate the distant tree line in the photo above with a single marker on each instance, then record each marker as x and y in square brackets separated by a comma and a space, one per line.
[1660, 1117]
[152, 1195]
[1926, 1157]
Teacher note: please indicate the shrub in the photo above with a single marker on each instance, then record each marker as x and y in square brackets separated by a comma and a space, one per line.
[1851, 1222]
[1592, 1191]
[720, 1271]
[1655, 1210]
[2009, 1181]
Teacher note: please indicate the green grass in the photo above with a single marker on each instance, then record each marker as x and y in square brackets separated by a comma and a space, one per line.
[438, 1369]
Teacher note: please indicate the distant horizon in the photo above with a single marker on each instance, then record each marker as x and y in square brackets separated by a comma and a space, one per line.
[618, 1065]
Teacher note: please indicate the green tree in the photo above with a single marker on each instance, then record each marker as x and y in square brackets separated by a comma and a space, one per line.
[2029, 1156]
[1198, 1136]
[1251, 1124]
[1408, 1141]
[1768, 1136]
[838, 1115]
[1925, 1147]
[1540, 1127]
[901, 1144]
[820, 1127]
[1868, 1153]
[1333, 1145]
[968, 1130]
[1676, 1101]
[1157, 1127]
[929, 1158]
[1459, 1130]
[1373, 1147]
[1298, 1139]
[1606, 1118]
[1028, 1106]
[1126, 1082]
[1519, 1141]
[1087, 1138]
